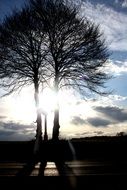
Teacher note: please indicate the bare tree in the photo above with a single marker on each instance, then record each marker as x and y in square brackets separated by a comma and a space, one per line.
[77, 53]
[22, 55]
[52, 39]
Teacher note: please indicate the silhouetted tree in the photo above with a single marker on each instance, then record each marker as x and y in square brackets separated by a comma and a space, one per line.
[52, 39]
[22, 55]
[77, 51]
[121, 134]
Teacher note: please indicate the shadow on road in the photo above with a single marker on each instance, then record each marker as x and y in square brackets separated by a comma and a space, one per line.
[52, 152]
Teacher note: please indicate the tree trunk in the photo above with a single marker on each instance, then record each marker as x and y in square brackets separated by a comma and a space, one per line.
[45, 133]
[38, 139]
[56, 125]
[55, 135]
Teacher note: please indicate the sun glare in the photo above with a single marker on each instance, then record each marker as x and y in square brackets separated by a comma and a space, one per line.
[48, 101]
[22, 108]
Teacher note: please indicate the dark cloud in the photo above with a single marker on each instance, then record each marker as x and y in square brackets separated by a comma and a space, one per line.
[115, 113]
[78, 121]
[98, 132]
[98, 122]
[15, 131]
[14, 136]
[111, 115]
[14, 126]
[2, 117]
[82, 134]
[89, 134]
[7, 133]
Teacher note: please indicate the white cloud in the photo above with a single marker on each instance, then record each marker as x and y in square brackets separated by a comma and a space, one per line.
[112, 23]
[110, 100]
[116, 67]
[116, 97]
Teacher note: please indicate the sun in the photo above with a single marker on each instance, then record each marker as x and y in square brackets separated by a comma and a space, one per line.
[22, 109]
[48, 101]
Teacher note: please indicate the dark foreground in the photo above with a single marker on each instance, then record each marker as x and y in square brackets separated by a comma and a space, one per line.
[78, 175]
[85, 164]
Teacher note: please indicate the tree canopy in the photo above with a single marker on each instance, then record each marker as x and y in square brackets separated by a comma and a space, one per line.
[77, 53]
[49, 41]
[22, 51]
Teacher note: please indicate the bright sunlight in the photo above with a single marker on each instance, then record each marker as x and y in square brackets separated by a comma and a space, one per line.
[21, 107]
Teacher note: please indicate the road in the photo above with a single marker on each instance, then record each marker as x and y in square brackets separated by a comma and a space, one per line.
[84, 175]
[73, 168]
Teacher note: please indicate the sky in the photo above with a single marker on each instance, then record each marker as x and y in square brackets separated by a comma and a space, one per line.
[79, 117]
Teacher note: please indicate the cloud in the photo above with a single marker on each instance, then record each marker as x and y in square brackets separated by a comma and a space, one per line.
[15, 131]
[116, 97]
[88, 134]
[114, 113]
[98, 132]
[2, 117]
[78, 120]
[82, 134]
[6, 133]
[14, 136]
[15, 126]
[98, 122]
[116, 67]
[111, 23]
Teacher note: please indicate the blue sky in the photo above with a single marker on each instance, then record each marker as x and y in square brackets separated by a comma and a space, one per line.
[79, 117]
[6, 6]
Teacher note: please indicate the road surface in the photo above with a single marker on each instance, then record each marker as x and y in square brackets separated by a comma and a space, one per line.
[72, 168]
[84, 175]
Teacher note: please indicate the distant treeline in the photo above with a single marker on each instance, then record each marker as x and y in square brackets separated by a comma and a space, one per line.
[118, 138]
